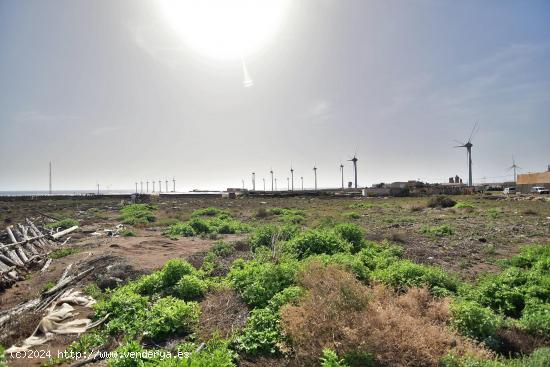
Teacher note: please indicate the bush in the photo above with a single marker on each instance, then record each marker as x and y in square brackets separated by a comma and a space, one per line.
[180, 229]
[258, 282]
[290, 295]
[261, 334]
[199, 225]
[210, 212]
[352, 215]
[404, 274]
[351, 263]
[330, 359]
[379, 256]
[441, 202]
[318, 242]
[536, 318]
[215, 354]
[127, 355]
[353, 234]
[149, 284]
[472, 320]
[63, 223]
[127, 311]
[529, 256]
[137, 214]
[264, 235]
[439, 231]
[170, 316]
[174, 270]
[190, 287]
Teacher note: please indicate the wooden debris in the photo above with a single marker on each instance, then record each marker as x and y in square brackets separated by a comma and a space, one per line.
[24, 247]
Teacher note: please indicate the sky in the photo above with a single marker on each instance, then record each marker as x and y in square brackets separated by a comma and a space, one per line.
[111, 93]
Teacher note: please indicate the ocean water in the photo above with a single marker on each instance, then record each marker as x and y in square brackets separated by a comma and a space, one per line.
[62, 192]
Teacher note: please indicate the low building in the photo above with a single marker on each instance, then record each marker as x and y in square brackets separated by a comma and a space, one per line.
[526, 181]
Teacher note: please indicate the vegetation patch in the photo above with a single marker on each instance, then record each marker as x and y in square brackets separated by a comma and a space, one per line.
[439, 231]
[441, 202]
[62, 252]
[63, 224]
[137, 214]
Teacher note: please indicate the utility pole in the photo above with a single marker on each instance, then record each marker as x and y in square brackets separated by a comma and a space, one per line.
[302, 178]
[253, 181]
[315, 172]
[50, 185]
[174, 181]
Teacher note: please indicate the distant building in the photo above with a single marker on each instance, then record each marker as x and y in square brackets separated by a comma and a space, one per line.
[526, 181]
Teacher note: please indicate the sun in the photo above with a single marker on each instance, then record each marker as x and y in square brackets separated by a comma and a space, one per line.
[225, 29]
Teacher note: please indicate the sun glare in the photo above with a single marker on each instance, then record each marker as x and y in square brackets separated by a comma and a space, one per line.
[225, 29]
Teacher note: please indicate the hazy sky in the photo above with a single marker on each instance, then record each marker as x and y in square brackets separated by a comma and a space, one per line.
[110, 93]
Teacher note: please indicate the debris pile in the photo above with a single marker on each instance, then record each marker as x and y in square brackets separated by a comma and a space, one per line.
[24, 247]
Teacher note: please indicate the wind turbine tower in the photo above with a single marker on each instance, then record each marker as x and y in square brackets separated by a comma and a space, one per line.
[302, 178]
[264, 183]
[160, 186]
[271, 179]
[342, 173]
[174, 182]
[354, 160]
[166, 183]
[315, 173]
[153, 181]
[253, 181]
[147, 186]
[136, 188]
[141, 186]
[292, 175]
[287, 184]
[468, 145]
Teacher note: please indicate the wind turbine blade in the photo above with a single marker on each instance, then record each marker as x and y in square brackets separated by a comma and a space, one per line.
[459, 142]
[474, 131]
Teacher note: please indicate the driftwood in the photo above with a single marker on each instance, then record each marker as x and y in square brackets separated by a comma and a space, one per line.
[23, 247]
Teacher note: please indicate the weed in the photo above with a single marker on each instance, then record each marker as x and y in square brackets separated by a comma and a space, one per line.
[352, 215]
[463, 205]
[137, 214]
[439, 231]
[441, 202]
[318, 242]
[63, 224]
[62, 252]
[171, 316]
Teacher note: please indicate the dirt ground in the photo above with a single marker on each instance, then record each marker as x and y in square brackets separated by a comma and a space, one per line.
[487, 229]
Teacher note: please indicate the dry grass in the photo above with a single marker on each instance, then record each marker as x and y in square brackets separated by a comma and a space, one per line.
[416, 208]
[343, 314]
[530, 212]
[400, 237]
[222, 312]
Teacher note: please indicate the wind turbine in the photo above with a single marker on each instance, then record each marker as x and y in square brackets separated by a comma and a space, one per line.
[354, 160]
[302, 178]
[264, 183]
[153, 181]
[275, 183]
[271, 178]
[253, 181]
[315, 173]
[160, 186]
[136, 188]
[167, 186]
[174, 181]
[342, 173]
[141, 186]
[147, 185]
[514, 166]
[468, 145]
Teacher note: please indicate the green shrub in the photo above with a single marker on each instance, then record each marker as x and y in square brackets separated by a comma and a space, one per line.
[441, 202]
[351, 263]
[536, 317]
[199, 225]
[62, 252]
[190, 287]
[263, 236]
[290, 295]
[210, 212]
[539, 358]
[379, 256]
[261, 335]
[137, 214]
[215, 354]
[258, 282]
[529, 256]
[63, 223]
[318, 241]
[127, 311]
[404, 274]
[351, 233]
[493, 212]
[171, 316]
[149, 284]
[291, 216]
[439, 231]
[464, 205]
[128, 233]
[180, 229]
[352, 215]
[331, 359]
[174, 269]
[473, 320]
